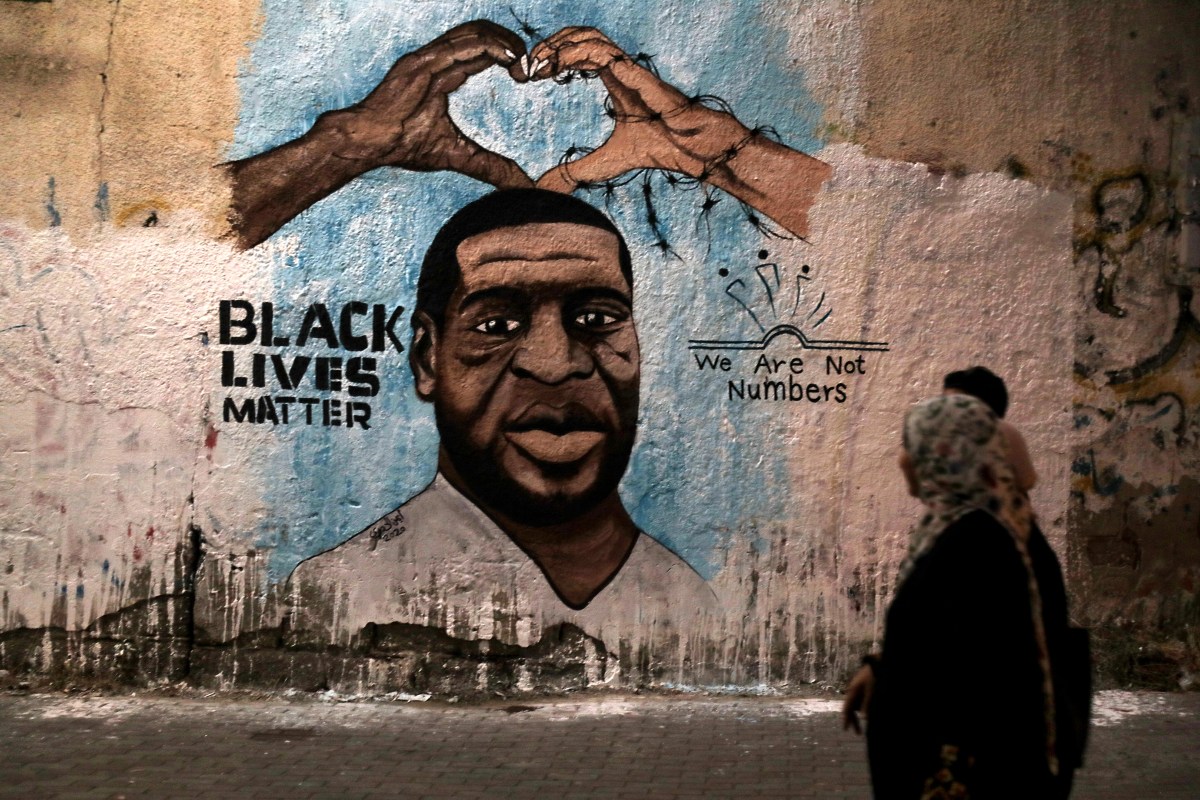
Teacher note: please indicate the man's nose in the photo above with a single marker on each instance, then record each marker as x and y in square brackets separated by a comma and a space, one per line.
[549, 353]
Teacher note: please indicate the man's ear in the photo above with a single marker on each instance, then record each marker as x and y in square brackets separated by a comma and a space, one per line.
[422, 356]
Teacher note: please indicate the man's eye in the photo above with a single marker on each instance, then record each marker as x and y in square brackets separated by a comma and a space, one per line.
[595, 319]
[498, 326]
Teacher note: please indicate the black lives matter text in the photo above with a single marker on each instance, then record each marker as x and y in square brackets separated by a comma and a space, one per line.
[332, 389]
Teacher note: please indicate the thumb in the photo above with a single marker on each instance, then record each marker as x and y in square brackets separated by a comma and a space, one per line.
[476, 161]
[596, 167]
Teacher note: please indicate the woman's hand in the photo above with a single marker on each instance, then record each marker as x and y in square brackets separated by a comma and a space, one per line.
[858, 699]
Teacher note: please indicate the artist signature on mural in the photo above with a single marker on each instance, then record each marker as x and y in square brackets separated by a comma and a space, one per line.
[388, 528]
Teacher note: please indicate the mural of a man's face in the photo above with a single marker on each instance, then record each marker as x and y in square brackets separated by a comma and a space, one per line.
[534, 370]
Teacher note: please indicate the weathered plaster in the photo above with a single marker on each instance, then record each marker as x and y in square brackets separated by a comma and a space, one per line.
[1097, 100]
[1010, 184]
[116, 111]
[976, 85]
[108, 441]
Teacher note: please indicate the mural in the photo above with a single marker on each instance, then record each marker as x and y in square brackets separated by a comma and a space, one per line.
[470, 347]
[405, 122]
[523, 341]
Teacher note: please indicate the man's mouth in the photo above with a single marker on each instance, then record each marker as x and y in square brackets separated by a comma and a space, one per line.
[556, 435]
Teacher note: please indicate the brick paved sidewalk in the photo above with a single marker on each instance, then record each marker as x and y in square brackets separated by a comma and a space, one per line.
[601, 746]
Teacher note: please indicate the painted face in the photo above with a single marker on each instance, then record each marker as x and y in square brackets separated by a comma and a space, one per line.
[536, 369]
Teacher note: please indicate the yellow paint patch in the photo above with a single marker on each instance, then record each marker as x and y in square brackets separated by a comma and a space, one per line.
[145, 214]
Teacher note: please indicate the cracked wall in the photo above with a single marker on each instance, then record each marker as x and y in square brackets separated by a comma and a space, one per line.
[1011, 184]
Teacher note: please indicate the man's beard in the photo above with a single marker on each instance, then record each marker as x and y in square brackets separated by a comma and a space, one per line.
[496, 490]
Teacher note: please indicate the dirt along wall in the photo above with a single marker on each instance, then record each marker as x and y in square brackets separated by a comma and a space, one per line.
[292, 400]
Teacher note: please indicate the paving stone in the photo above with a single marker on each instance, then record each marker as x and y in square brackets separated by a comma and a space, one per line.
[595, 747]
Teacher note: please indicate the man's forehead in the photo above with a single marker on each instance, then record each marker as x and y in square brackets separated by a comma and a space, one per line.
[565, 252]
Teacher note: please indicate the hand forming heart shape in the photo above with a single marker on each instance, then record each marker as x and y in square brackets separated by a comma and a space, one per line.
[405, 122]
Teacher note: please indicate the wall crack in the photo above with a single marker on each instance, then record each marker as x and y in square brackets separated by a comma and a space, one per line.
[102, 113]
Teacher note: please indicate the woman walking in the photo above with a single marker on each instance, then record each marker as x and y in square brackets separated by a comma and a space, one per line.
[962, 700]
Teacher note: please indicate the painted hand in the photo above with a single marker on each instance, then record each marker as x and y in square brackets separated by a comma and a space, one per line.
[656, 125]
[405, 121]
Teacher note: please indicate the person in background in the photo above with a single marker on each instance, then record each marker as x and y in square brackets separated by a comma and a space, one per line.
[965, 700]
[981, 382]
[1069, 645]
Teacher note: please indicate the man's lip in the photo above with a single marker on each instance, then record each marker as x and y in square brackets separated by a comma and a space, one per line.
[555, 448]
[557, 420]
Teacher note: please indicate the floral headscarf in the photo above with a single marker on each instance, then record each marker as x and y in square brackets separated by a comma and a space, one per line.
[961, 465]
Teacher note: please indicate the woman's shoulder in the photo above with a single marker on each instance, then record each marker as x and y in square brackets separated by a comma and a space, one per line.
[978, 535]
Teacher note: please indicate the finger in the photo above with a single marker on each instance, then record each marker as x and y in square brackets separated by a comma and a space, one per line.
[482, 29]
[627, 106]
[472, 48]
[518, 70]
[568, 35]
[652, 91]
[593, 55]
[590, 54]
[474, 54]
[637, 92]
[418, 75]
[590, 50]
[456, 74]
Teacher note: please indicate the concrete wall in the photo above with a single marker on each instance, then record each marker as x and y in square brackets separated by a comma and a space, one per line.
[901, 192]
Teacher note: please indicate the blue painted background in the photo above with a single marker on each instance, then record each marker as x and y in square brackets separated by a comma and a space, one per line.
[703, 467]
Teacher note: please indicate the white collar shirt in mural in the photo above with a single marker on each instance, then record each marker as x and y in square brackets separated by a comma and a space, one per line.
[439, 562]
